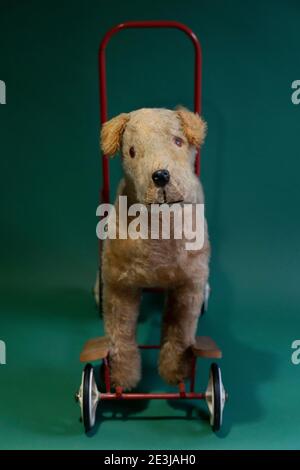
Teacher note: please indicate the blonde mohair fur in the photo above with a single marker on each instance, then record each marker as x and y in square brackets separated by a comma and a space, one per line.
[129, 266]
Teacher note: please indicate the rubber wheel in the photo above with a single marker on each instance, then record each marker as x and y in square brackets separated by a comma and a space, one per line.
[100, 307]
[204, 306]
[217, 421]
[90, 397]
[215, 397]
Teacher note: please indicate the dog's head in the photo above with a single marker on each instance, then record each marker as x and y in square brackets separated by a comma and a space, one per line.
[158, 148]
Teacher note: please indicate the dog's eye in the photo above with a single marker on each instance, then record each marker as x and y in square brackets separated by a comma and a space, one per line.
[178, 141]
[132, 152]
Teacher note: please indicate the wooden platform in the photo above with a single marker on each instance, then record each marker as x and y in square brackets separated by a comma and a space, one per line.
[98, 348]
[206, 347]
[94, 349]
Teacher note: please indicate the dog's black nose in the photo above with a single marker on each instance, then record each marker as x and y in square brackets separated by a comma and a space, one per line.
[161, 178]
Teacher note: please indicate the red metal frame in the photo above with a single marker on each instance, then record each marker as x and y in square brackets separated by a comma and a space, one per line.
[151, 396]
[120, 395]
[105, 193]
[103, 85]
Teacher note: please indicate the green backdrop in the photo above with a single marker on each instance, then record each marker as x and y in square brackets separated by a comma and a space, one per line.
[50, 177]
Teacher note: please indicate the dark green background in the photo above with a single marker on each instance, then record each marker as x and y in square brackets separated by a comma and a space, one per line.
[50, 176]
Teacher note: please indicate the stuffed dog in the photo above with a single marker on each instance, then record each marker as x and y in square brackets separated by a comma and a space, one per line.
[158, 149]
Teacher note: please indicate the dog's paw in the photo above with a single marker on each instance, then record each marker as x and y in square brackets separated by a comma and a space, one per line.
[174, 363]
[125, 368]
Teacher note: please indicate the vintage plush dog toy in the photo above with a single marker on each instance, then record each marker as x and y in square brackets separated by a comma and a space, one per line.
[158, 148]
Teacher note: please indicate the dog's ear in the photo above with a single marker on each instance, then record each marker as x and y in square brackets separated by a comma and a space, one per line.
[111, 134]
[193, 126]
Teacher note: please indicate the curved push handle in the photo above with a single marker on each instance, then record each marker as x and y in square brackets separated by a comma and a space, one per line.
[103, 86]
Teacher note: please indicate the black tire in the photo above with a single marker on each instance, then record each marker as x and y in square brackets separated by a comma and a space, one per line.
[203, 310]
[100, 294]
[88, 413]
[217, 412]
[204, 306]
[98, 290]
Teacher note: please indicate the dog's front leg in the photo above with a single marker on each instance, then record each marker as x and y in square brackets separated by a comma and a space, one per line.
[178, 333]
[120, 312]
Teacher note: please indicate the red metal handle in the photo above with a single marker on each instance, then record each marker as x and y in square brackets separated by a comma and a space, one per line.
[103, 86]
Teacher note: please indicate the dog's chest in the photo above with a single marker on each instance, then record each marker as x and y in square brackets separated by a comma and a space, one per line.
[151, 263]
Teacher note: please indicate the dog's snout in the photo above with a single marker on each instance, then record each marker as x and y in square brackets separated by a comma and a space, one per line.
[161, 178]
